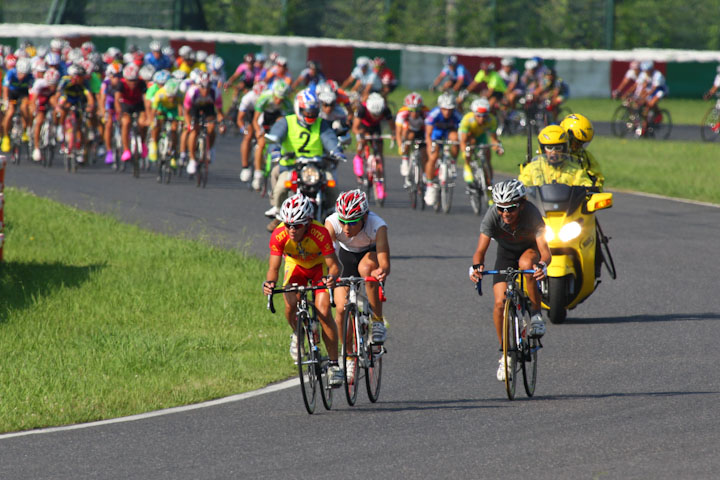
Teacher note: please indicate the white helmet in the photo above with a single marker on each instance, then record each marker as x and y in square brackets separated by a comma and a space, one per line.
[646, 65]
[185, 51]
[375, 104]
[531, 64]
[297, 209]
[147, 72]
[325, 94]
[201, 56]
[508, 191]
[362, 61]
[507, 61]
[446, 100]
[23, 66]
[56, 44]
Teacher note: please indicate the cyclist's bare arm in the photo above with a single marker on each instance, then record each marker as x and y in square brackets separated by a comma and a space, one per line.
[333, 266]
[479, 257]
[382, 247]
[545, 255]
[272, 274]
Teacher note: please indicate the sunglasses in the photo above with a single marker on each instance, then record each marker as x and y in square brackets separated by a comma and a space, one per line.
[350, 222]
[295, 226]
[508, 208]
[554, 148]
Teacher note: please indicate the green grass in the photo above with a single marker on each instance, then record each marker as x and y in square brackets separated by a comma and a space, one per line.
[100, 319]
[675, 169]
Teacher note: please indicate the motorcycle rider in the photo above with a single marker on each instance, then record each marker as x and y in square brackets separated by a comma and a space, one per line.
[303, 135]
[580, 131]
[558, 167]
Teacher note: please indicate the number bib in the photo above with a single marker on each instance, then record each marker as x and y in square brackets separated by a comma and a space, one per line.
[304, 142]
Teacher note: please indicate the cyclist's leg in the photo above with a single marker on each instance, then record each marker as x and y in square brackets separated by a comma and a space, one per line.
[367, 265]
[433, 154]
[246, 144]
[498, 308]
[454, 149]
[210, 124]
[9, 113]
[526, 261]
[25, 112]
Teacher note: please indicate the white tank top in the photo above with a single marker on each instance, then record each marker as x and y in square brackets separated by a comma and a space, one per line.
[363, 240]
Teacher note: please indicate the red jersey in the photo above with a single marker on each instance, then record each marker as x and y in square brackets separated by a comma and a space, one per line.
[307, 253]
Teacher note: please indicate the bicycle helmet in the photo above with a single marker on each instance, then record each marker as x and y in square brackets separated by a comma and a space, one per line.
[168, 51]
[56, 44]
[259, 87]
[480, 107]
[130, 72]
[217, 64]
[634, 65]
[185, 51]
[578, 127]
[155, 46]
[297, 209]
[375, 104]
[203, 80]
[507, 62]
[38, 65]
[362, 61]
[553, 135]
[413, 100]
[10, 61]
[147, 72]
[282, 61]
[23, 66]
[161, 77]
[333, 85]
[312, 65]
[531, 64]
[113, 70]
[351, 205]
[179, 74]
[201, 56]
[280, 89]
[446, 101]
[249, 58]
[379, 61]
[42, 50]
[325, 94]
[306, 107]
[87, 47]
[52, 77]
[260, 57]
[451, 60]
[75, 70]
[508, 191]
[171, 87]
[646, 65]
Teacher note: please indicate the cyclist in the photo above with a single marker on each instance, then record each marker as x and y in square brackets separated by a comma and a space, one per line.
[331, 111]
[368, 122]
[552, 89]
[410, 125]
[495, 86]
[270, 105]
[246, 111]
[653, 89]
[160, 78]
[157, 58]
[73, 91]
[387, 77]
[440, 124]
[453, 76]
[16, 87]
[309, 258]
[302, 134]
[279, 71]
[245, 72]
[580, 131]
[475, 127]
[165, 105]
[558, 168]
[42, 99]
[530, 78]
[201, 100]
[511, 77]
[113, 76]
[715, 86]
[628, 81]
[129, 97]
[363, 78]
[363, 250]
[519, 230]
[311, 76]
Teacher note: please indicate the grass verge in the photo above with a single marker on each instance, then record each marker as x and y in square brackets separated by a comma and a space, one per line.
[100, 319]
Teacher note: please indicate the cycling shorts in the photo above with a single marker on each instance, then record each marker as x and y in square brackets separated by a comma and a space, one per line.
[371, 130]
[349, 261]
[207, 110]
[170, 114]
[294, 273]
[507, 259]
[42, 102]
[18, 93]
[131, 108]
[440, 134]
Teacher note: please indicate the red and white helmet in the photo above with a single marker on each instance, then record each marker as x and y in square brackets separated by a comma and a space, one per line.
[10, 61]
[413, 100]
[259, 87]
[297, 209]
[480, 106]
[332, 84]
[130, 72]
[352, 205]
[52, 77]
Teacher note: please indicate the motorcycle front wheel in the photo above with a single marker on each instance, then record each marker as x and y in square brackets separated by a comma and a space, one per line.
[557, 301]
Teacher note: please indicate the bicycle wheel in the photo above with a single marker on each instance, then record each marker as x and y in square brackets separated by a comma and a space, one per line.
[307, 367]
[620, 123]
[661, 124]
[412, 183]
[478, 202]
[350, 353]
[528, 356]
[604, 250]
[510, 357]
[373, 371]
[326, 390]
[446, 192]
[710, 126]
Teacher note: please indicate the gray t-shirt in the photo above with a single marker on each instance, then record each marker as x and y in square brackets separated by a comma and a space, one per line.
[530, 226]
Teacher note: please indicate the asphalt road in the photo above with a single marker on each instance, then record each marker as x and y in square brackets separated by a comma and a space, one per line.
[628, 387]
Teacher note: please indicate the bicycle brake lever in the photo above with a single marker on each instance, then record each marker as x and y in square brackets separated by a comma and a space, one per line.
[270, 305]
[478, 287]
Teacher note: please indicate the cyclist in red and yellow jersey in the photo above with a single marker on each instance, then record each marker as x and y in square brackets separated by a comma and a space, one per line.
[310, 257]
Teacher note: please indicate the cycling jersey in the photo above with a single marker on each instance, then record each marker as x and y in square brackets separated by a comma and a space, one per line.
[15, 85]
[151, 91]
[311, 80]
[247, 103]
[41, 91]
[361, 242]
[129, 95]
[367, 78]
[510, 77]
[73, 92]
[460, 72]
[109, 91]
[195, 98]
[94, 83]
[164, 103]
[270, 110]
[473, 128]
[163, 62]
[493, 80]
[530, 226]
[441, 126]
[307, 253]
[370, 121]
[275, 74]
[414, 124]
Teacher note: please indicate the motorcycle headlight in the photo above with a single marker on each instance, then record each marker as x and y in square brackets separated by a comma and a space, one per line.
[569, 231]
[310, 175]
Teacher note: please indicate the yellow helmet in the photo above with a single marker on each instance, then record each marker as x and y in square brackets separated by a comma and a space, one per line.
[578, 127]
[553, 135]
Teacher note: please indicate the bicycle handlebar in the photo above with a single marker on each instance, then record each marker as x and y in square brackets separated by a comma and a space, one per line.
[508, 272]
[297, 288]
[346, 281]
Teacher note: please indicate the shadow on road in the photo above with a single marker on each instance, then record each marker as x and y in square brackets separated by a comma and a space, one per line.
[415, 405]
[645, 318]
[620, 395]
[21, 284]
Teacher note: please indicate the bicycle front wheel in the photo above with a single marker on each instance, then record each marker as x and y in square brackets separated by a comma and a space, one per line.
[350, 354]
[446, 193]
[620, 123]
[509, 343]
[710, 127]
[373, 371]
[307, 367]
[662, 124]
[528, 356]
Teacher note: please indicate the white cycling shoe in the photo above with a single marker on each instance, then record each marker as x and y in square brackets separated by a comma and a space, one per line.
[431, 194]
[245, 174]
[335, 376]
[501, 369]
[537, 326]
[192, 167]
[258, 177]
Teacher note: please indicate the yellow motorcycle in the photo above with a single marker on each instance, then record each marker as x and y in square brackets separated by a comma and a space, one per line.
[578, 245]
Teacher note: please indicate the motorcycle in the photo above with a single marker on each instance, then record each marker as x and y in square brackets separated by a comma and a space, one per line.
[309, 177]
[578, 245]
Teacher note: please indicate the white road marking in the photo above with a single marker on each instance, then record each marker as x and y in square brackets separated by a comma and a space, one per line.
[168, 411]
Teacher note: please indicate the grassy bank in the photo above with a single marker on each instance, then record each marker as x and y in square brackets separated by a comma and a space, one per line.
[100, 319]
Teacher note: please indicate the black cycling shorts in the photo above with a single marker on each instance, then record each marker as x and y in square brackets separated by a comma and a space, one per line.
[207, 110]
[349, 261]
[17, 94]
[131, 108]
[506, 259]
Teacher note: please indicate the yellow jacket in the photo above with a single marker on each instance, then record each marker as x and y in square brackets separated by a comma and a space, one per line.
[591, 166]
[539, 172]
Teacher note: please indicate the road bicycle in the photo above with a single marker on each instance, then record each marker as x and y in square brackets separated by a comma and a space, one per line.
[18, 147]
[373, 178]
[135, 146]
[361, 358]
[73, 146]
[479, 188]
[312, 364]
[414, 183]
[710, 126]
[166, 152]
[629, 119]
[46, 142]
[446, 175]
[202, 152]
[520, 352]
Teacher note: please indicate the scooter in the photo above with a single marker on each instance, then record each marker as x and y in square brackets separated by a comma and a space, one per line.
[577, 243]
